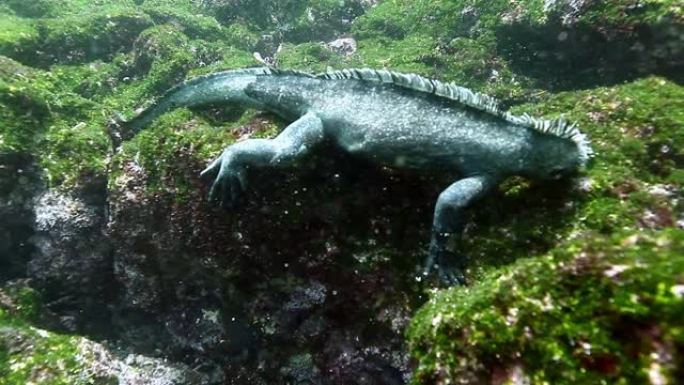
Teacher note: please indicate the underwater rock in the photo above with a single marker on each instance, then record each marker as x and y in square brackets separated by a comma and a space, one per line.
[566, 10]
[306, 298]
[71, 262]
[516, 324]
[35, 8]
[157, 44]
[317, 285]
[300, 369]
[253, 287]
[73, 40]
[344, 46]
[90, 362]
[606, 42]
[31, 354]
[20, 180]
[136, 369]
[310, 20]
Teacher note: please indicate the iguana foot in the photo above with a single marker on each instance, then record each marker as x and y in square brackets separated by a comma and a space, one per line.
[228, 189]
[444, 264]
[229, 185]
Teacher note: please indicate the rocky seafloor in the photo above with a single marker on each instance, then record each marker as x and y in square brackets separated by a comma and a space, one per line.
[115, 268]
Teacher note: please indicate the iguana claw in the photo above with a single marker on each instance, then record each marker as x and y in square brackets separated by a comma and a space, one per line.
[445, 264]
[228, 186]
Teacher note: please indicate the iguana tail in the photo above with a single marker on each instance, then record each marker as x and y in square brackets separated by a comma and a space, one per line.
[221, 87]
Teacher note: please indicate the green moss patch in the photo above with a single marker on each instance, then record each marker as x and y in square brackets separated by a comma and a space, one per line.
[76, 39]
[23, 113]
[14, 30]
[36, 8]
[195, 26]
[314, 57]
[30, 355]
[33, 356]
[596, 310]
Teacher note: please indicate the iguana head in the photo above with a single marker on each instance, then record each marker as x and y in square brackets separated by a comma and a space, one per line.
[554, 158]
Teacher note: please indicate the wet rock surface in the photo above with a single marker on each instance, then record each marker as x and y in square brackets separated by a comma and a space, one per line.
[71, 263]
[20, 181]
[48, 357]
[312, 280]
[269, 286]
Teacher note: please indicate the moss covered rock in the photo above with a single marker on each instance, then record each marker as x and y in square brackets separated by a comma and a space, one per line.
[77, 39]
[293, 21]
[31, 355]
[24, 109]
[37, 8]
[559, 274]
[596, 310]
[545, 44]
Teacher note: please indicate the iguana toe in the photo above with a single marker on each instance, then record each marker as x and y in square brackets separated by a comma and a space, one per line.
[444, 264]
[213, 191]
[451, 276]
[227, 189]
[212, 168]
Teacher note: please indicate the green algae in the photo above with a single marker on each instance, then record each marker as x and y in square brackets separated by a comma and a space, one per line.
[637, 126]
[29, 355]
[630, 12]
[293, 21]
[314, 57]
[14, 30]
[78, 39]
[195, 26]
[592, 311]
[33, 356]
[37, 8]
[173, 151]
[60, 114]
[517, 242]
[43, 117]
[22, 115]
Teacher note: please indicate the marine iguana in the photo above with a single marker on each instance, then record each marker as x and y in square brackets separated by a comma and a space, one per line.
[395, 119]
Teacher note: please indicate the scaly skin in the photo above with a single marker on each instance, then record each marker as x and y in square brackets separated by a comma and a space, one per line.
[384, 122]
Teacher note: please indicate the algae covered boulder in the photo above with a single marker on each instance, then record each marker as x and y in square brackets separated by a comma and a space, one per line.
[31, 355]
[116, 268]
[598, 310]
[503, 45]
[294, 21]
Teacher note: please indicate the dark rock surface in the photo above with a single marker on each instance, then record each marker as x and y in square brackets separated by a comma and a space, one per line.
[270, 287]
[20, 181]
[312, 280]
[71, 263]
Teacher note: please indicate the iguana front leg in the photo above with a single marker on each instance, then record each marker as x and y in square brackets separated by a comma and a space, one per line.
[230, 168]
[448, 221]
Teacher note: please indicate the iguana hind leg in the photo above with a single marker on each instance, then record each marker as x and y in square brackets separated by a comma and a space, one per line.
[448, 221]
[230, 168]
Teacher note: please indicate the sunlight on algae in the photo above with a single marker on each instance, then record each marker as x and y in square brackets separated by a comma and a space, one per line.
[568, 284]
